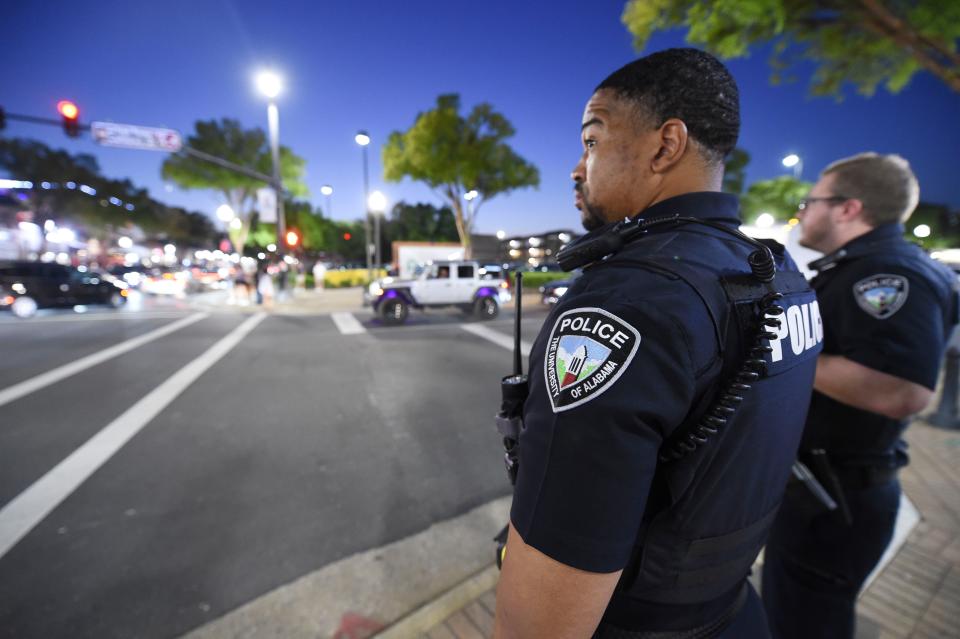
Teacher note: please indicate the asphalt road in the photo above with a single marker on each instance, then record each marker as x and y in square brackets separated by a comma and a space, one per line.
[201, 460]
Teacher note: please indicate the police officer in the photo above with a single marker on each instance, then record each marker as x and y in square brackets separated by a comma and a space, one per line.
[668, 387]
[887, 312]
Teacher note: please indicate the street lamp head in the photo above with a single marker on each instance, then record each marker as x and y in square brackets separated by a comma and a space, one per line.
[362, 138]
[269, 84]
[377, 202]
[501, 235]
[326, 189]
[470, 195]
[791, 160]
[225, 213]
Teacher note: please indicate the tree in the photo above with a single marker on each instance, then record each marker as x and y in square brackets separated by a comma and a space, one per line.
[864, 42]
[454, 155]
[421, 223]
[735, 171]
[227, 139]
[778, 197]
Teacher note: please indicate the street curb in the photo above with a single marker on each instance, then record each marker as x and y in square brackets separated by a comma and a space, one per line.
[432, 614]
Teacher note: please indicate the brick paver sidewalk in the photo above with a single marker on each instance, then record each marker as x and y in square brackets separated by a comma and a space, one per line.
[918, 593]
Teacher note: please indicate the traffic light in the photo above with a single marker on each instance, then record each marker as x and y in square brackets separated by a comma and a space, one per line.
[292, 238]
[70, 115]
[347, 236]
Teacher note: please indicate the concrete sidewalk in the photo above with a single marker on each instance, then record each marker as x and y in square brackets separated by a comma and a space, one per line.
[916, 595]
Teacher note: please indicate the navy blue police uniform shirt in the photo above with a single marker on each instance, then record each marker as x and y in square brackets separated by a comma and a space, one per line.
[620, 362]
[890, 309]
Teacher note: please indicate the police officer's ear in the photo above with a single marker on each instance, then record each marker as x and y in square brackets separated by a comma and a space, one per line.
[850, 211]
[672, 137]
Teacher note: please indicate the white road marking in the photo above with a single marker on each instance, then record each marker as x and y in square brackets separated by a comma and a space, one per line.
[34, 384]
[347, 324]
[31, 506]
[94, 317]
[500, 339]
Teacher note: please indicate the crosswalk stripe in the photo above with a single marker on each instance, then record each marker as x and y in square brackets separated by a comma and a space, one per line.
[42, 380]
[31, 506]
[347, 324]
[500, 339]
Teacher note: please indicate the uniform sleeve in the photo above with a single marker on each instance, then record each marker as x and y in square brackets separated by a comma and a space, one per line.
[594, 422]
[889, 319]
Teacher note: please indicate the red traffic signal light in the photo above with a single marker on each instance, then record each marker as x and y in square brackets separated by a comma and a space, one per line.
[347, 236]
[70, 114]
[292, 238]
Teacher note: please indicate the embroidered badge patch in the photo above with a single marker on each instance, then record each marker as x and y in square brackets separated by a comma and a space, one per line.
[881, 295]
[587, 352]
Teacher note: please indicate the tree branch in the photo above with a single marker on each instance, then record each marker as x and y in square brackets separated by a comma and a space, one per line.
[880, 21]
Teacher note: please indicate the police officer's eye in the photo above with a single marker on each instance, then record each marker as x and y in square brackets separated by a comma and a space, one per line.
[589, 143]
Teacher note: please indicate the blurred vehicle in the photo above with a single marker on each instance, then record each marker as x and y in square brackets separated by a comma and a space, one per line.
[551, 292]
[132, 275]
[446, 283]
[209, 277]
[28, 286]
[165, 281]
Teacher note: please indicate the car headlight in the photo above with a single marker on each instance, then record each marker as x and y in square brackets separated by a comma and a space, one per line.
[560, 290]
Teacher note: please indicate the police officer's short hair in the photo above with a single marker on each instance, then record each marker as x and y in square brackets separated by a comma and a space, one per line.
[687, 84]
[884, 183]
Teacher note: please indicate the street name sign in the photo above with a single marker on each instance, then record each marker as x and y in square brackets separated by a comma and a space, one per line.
[131, 136]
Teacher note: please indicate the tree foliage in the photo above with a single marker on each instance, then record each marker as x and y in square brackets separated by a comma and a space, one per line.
[453, 154]
[866, 43]
[227, 139]
[778, 197]
[34, 161]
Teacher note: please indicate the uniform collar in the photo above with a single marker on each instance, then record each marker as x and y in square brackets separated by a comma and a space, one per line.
[858, 246]
[701, 204]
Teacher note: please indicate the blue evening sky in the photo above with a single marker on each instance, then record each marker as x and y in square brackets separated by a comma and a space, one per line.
[375, 65]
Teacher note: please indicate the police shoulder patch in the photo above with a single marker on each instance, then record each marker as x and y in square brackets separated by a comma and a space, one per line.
[881, 295]
[588, 350]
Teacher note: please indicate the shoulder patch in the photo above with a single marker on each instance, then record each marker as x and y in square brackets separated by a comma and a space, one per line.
[881, 295]
[588, 350]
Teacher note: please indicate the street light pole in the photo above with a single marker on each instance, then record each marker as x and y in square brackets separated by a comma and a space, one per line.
[273, 120]
[270, 85]
[327, 190]
[363, 139]
[377, 203]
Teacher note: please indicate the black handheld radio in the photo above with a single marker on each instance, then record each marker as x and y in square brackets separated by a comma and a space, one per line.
[514, 389]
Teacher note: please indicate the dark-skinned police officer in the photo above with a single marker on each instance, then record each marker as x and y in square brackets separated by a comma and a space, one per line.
[887, 313]
[668, 388]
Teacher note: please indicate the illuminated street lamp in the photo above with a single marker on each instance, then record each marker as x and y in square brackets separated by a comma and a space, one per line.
[377, 204]
[363, 139]
[501, 235]
[794, 162]
[327, 190]
[270, 85]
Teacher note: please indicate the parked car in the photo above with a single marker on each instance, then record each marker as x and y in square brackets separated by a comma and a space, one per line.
[551, 292]
[28, 286]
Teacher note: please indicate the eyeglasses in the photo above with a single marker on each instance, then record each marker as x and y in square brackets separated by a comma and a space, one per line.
[807, 201]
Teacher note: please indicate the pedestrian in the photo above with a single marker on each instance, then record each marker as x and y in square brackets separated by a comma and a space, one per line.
[888, 310]
[319, 273]
[265, 290]
[668, 386]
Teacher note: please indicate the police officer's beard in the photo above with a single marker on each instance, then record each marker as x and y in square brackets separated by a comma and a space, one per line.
[591, 216]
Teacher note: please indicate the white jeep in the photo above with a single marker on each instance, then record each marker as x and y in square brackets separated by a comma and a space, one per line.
[463, 284]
